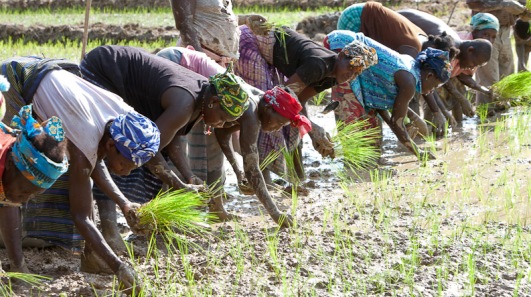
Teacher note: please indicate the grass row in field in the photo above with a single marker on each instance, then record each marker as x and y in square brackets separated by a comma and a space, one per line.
[156, 17]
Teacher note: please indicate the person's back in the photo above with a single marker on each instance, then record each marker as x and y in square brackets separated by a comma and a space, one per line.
[429, 23]
[383, 25]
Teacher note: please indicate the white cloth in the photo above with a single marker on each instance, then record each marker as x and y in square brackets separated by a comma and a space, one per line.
[83, 107]
[217, 27]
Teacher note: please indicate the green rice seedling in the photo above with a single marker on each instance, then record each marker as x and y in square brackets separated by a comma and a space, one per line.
[319, 98]
[515, 86]
[482, 112]
[356, 143]
[34, 280]
[270, 158]
[179, 209]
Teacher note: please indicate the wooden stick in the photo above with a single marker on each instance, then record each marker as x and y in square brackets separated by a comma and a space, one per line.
[85, 29]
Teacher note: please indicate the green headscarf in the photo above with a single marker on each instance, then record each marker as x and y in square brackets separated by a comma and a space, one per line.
[231, 91]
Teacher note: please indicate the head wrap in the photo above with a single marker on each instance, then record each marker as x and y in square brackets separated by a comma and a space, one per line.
[360, 54]
[288, 107]
[231, 91]
[33, 164]
[136, 137]
[4, 87]
[482, 20]
[438, 61]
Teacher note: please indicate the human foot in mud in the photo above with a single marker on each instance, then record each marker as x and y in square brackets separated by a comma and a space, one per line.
[216, 207]
[92, 263]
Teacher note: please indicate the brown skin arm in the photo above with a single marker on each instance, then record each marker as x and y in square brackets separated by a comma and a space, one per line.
[223, 136]
[176, 153]
[102, 178]
[176, 114]
[80, 197]
[160, 168]
[251, 164]
[184, 13]
[406, 89]
[11, 227]
[469, 81]
[467, 107]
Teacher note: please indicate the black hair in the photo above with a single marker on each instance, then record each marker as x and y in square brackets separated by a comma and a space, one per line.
[442, 42]
[53, 149]
[481, 46]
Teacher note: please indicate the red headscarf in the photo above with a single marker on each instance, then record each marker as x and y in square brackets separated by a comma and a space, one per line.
[288, 107]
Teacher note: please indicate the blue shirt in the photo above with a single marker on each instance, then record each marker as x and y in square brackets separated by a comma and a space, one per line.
[375, 88]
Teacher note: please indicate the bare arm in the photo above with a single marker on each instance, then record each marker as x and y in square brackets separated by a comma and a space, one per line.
[160, 168]
[176, 153]
[184, 13]
[102, 178]
[468, 81]
[248, 145]
[467, 107]
[406, 89]
[80, 196]
[176, 114]
[223, 136]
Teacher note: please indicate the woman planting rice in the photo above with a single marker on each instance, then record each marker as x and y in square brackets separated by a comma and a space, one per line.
[171, 95]
[310, 69]
[98, 125]
[392, 83]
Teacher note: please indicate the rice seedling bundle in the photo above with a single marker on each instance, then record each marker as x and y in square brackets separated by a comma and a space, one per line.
[514, 86]
[178, 209]
[356, 143]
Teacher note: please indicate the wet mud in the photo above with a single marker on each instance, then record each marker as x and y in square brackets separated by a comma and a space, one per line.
[409, 229]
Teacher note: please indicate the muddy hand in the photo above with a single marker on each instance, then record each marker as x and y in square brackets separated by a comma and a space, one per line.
[468, 108]
[245, 188]
[322, 142]
[439, 121]
[258, 24]
[129, 282]
[197, 188]
[284, 220]
[130, 214]
[194, 180]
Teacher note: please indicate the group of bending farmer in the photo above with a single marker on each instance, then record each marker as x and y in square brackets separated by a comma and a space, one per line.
[126, 123]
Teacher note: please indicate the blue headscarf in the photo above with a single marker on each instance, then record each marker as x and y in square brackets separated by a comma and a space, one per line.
[33, 164]
[482, 20]
[438, 61]
[136, 137]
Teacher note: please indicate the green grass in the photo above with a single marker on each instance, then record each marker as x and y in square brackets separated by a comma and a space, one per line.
[157, 17]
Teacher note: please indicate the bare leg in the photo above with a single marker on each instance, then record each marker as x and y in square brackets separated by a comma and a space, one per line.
[109, 226]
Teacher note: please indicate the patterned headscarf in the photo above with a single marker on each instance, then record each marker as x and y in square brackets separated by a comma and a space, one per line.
[136, 137]
[33, 164]
[4, 87]
[482, 20]
[360, 54]
[231, 91]
[288, 107]
[438, 61]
